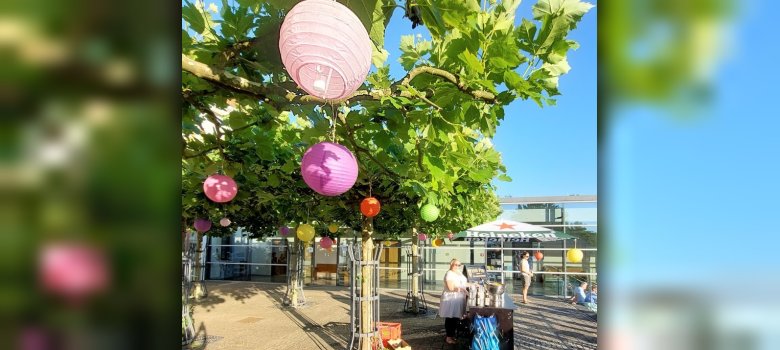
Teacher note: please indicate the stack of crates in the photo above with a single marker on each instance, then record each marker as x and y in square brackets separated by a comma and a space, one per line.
[389, 331]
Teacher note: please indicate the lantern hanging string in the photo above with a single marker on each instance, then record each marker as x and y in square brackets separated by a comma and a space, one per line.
[334, 120]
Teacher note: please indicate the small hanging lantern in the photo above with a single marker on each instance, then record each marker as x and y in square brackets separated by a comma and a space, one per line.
[429, 212]
[220, 188]
[305, 232]
[326, 242]
[574, 255]
[333, 228]
[325, 48]
[202, 225]
[450, 235]
[224, 222]
[284, 230]
[329, 169]
[422, 237]
[370, 207]
[538, 255]
[438, 242]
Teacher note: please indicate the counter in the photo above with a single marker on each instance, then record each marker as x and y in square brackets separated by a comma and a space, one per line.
[504, 315]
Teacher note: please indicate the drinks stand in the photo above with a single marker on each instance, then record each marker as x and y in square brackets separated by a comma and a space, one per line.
[487, 298]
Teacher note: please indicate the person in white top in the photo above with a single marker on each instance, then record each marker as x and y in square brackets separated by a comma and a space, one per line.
[525, 275]
[453, 299]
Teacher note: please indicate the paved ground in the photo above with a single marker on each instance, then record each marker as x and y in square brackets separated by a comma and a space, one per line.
[249, 315]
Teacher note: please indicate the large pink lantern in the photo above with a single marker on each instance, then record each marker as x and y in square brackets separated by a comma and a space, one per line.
[202, 225]
[326, 242]
[73, 270]
[329, 169]
[220, 188]
[325, 48]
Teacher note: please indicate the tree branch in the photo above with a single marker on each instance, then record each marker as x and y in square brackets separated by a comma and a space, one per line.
[260, 91]
[452, 78]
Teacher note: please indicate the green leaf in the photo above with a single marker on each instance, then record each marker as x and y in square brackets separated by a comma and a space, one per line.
[471, 61]
[273, 180]
[525, 34]
[194, 17]
[380, 17]
[482, 175]
[504, 177]
[571, 11]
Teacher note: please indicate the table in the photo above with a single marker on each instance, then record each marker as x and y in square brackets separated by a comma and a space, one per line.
[504, 315]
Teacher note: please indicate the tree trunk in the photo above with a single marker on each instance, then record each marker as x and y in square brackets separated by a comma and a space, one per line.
[199, 291]
[366, 282]
[415, 268]
[293, 271]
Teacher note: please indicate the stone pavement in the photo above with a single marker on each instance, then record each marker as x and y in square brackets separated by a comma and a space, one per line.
[249, 315]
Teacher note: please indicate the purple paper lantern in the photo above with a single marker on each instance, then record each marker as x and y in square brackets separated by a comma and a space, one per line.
[325, 48]
[202, 225]
[329, 169]
[220, 188]
[326, 242]
[284, 230]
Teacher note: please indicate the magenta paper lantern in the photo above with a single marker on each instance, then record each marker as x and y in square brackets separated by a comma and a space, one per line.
[325, 48]
[326, 242]
[329, 169]
[422, 236]
[284, 230]
[72, 270]
[224, 222]
[202, 225]
[220, 188]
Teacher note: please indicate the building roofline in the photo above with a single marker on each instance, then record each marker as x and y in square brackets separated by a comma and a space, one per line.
[548, 199]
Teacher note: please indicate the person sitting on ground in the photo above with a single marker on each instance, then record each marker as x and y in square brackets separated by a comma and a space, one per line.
[580, 294]
[592, 296]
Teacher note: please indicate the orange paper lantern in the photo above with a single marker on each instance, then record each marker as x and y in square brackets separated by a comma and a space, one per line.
[538, 255]
[369, 207]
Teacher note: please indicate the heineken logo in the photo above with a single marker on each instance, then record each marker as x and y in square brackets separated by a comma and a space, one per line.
[509, 237]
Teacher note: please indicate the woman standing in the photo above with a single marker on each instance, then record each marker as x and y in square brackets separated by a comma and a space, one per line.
[453, 299]
[525, 275]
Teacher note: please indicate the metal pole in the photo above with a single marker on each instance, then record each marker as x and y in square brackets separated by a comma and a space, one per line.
[565, 276]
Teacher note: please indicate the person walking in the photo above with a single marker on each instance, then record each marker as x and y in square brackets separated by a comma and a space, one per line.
[453, 299]
[526, 275]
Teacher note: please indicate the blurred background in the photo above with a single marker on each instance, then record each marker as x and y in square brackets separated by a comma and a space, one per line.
[90, 174]
[689, 162]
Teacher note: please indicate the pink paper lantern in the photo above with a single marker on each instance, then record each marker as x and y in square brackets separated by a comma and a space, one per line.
[202, 225]
[220, 188]
[326, 242]
[422, 236]
[325, 48]
[72, 270]
[224, 222]
[450, 235]
[329, 169]
[284, 230]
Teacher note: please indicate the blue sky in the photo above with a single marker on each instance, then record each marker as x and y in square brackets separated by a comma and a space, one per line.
[696, 198]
